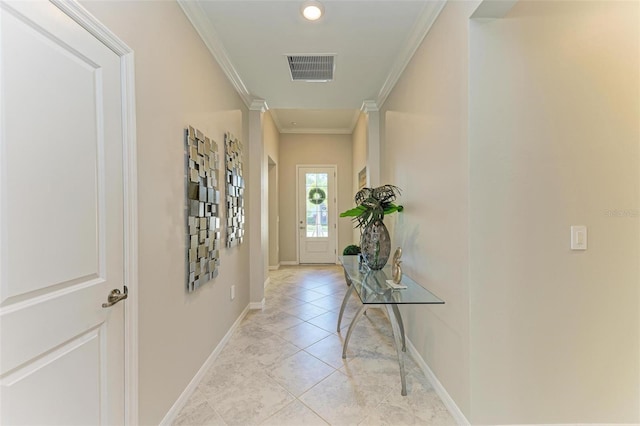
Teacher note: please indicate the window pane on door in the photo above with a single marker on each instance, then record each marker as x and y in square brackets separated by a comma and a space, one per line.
[317, 218]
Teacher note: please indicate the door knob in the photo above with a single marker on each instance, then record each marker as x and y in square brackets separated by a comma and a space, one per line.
[115, 296]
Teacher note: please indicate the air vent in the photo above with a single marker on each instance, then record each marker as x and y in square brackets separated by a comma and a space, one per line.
[318, 68]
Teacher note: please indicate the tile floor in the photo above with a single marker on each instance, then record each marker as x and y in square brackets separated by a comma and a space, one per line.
[284, 366]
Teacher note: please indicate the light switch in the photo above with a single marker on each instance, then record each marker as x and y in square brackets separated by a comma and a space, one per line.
[579, 237]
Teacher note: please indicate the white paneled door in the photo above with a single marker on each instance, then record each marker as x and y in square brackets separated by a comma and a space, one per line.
[61, 221]
[317, 214]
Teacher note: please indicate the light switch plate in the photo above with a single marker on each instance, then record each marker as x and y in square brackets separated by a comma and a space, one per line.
[578, 237]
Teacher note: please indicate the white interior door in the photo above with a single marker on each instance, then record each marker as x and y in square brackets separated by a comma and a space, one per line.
[317, 214]
[61, 221]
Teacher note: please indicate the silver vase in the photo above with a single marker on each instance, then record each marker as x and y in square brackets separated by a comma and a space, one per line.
[375, 244]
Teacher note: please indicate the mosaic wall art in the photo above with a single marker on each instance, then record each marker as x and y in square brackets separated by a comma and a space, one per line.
[203, 211]
[235, 190]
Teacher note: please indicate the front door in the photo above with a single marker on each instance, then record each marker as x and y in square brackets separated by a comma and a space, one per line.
[317, 214]
[61, 221]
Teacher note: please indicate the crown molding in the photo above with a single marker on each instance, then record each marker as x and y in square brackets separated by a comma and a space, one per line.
[258, 105]
[354, 120]
[198, 18]
[276, 120]
[318, 131]
[493, 9]
[422, 26]
[369, 106]
[315, 130]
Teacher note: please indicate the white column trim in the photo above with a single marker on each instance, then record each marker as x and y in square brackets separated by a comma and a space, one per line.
[257, 305]
[131, 244]
[86, 20]
[371, 109]
[493, 9]
[258, 227]
[259, 105]
[369, 106]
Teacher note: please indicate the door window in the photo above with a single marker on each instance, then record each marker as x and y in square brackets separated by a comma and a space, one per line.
[317, 190]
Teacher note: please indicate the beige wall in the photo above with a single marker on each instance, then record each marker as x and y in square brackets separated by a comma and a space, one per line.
[309, 149]
[177, 84]
[271, 148]
[554, 142]
[531, 332]
[424, 152]
[359, 161]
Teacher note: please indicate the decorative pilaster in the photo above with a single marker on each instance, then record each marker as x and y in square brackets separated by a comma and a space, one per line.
[370, 108]
[257, 204]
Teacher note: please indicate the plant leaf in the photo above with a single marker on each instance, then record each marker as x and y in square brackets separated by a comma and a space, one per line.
[373, 204]
[391, 208]
[356, 211]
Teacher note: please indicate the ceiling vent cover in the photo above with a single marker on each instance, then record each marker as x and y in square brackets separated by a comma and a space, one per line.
[311, 67]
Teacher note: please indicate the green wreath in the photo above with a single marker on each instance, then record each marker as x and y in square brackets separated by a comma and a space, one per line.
[317, 196]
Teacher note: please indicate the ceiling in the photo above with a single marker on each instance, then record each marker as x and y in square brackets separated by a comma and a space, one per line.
[372, 42]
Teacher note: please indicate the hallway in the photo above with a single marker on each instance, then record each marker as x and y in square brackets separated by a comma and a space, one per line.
[511, 127]
[283, 364]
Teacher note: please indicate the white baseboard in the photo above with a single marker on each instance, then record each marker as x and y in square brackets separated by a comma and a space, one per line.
[256, 305]
[173, 412]
[289, 262]
[453, 408]
[274, 267]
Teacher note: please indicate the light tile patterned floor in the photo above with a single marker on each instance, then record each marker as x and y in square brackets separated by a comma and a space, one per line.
[284, 366]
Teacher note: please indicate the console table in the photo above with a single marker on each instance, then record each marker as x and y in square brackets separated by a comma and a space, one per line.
[372, 289]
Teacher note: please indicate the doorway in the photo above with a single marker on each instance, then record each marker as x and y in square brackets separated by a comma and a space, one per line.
[67, 219]
[274, 218]
[316, 220]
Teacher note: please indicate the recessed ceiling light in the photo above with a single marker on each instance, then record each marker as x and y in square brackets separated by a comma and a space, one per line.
[312, 10]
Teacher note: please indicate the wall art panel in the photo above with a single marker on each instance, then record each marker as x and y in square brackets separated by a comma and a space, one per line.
[235, 190]
[203, 211]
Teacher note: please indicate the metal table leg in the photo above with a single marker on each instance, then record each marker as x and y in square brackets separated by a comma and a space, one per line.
[397, 335]
[355, 319]
[344, 301]
[396, 311]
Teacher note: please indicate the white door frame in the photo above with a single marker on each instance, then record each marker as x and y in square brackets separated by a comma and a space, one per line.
[335, 213]
[80, 15]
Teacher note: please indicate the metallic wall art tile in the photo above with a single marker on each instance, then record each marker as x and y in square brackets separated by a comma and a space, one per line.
[203, 198]
[235, 190]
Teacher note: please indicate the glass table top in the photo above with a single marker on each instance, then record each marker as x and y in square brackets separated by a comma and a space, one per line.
[372, 287]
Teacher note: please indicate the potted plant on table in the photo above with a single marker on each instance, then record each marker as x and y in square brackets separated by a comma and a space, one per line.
[372, 205]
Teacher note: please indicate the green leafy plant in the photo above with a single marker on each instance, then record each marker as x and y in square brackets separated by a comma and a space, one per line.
[373, 204]
[351, 250]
